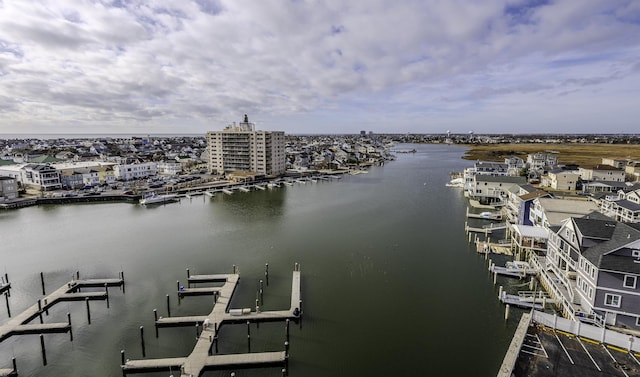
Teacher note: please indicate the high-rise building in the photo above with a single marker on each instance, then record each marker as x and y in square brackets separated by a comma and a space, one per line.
[239, 147]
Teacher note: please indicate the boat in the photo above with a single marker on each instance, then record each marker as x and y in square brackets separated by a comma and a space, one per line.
[154, 198]
[490, 215]
[456, 182]
[244, 189]
[227, 191]
[210, 193]
[518, 269]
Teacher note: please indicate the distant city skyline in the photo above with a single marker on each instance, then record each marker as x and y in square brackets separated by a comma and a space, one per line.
[320, 67]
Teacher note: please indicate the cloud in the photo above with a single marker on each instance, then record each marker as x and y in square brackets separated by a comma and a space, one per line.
[197, 65]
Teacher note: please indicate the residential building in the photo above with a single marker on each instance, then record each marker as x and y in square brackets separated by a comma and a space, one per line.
[593, 265]
[489, 189]
[38, 176]
[127, 172]
[541, 162]
[595, 187]
[559, 179]
[8, 188]
[632, 171]
[169, 167]
[601, 173]
[239, 147]
[616, 163]
[625, 206]
[550, 212]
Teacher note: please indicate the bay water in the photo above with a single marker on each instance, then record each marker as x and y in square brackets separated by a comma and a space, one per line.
[390, 285]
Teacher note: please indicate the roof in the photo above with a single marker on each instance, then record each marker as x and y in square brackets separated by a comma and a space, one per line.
[601, 167]
[499, 178]
[44, 159]
[557, 210]
[627, 204]
[6, 162]
[533, 195]
[531, 231]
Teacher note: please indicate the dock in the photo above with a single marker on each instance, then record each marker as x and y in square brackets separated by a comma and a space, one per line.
[527, 299]
[9, 372]
[513, 272]
[486, 229]
[19, 325]
[202, 358]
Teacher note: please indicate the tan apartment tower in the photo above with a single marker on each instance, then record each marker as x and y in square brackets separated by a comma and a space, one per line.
[239, 147]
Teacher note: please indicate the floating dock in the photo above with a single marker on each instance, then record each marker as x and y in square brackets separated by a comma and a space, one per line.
[201, 358]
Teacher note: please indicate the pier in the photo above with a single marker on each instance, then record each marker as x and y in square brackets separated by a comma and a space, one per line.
[19, 325]
[202, 358]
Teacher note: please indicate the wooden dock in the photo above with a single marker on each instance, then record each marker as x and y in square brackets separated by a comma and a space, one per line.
[201, 357]
[19, 325]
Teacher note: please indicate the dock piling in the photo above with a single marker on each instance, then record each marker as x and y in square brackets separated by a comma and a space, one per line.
[155, 320]
[495, 277]
[40, 310]
[6, 299]
[70, 328]
[197, 330]
[168, 307]
[144, 353]
[506, 312]
[44, 352]
[86, 300]
[122, 361]
[14, 364]
[42, 281]
[287, 329]
[234, 269]
[266, 273]
[46, 307]
[106, 291]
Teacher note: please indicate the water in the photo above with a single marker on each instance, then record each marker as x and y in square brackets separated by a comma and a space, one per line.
[389, 283]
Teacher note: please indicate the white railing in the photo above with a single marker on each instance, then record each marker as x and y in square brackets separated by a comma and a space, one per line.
[599, 334]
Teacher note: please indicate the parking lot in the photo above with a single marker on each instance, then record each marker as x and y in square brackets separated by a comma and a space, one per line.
[546, 352]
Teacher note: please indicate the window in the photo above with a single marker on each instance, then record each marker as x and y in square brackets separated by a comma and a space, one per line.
[630, 281]
[638, 321]
[612, 300]
[590, 292]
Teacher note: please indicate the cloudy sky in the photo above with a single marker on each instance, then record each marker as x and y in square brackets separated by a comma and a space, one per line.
[320, 66]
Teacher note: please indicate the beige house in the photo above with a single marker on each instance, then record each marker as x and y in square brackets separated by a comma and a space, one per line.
[559, 179]
[601, 173]
[632, 171]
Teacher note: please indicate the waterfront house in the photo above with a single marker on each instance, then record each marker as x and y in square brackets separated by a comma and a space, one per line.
[593, 264]
[34, 176]
[483, 168]
[519, 202]
[550, 212]
[8, 188]
[492, 190]
[127, 172]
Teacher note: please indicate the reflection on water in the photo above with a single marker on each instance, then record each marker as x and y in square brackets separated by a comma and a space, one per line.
[389, 284]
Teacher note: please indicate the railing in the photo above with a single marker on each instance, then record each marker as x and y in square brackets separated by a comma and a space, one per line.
[600, 334]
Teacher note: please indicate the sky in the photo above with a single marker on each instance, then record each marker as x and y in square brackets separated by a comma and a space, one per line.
[320, 66]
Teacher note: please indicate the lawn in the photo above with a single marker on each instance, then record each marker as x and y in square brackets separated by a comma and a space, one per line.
[581, 154]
